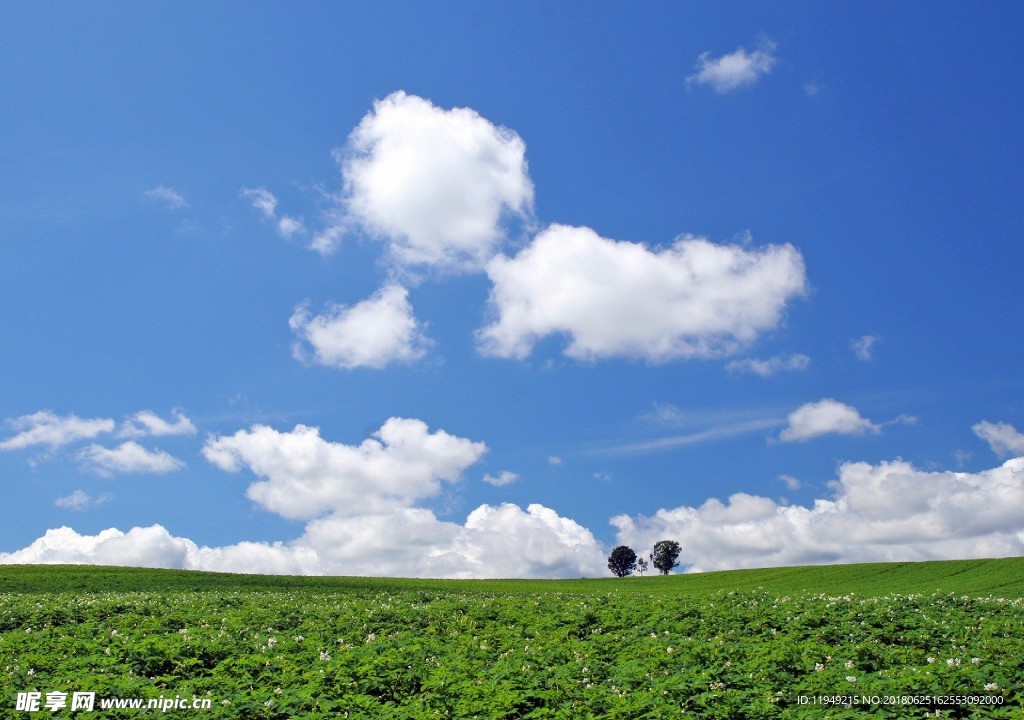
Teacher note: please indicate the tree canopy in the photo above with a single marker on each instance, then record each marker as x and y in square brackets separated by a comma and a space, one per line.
[664, 555]
[622, 561]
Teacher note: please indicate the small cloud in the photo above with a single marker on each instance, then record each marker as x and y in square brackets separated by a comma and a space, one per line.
[771, 366]
[790, 482]
[864, 347]
[80, 500]
[1002, 438]
[735, 70]
[146, 423]
[264, 201]
[46, 428]
[373, 333]
[826, 417]
[902, 420]
[168, 197]
[603, 477]
[504, 478]
[812, 88]
[555, 460]
[128, 457]
[664, 413]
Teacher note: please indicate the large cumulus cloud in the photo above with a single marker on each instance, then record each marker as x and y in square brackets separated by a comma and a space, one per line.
[433, 184]
[886, 512]
[614, 298]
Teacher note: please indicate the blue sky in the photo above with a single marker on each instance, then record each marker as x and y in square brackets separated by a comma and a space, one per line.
[487, 289]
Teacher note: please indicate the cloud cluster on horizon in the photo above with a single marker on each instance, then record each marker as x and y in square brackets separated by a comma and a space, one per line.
[891, 511]
[363, 513]
[878, 513]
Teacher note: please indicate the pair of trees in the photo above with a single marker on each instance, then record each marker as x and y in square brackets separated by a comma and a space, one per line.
[664, 556]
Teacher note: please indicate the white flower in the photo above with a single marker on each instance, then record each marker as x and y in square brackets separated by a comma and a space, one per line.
[851, 678]
[991, 686]
[818, 667]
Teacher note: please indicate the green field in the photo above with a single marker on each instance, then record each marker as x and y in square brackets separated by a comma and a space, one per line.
[897, 640]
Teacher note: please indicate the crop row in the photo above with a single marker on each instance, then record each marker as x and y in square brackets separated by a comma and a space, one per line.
[279, 655]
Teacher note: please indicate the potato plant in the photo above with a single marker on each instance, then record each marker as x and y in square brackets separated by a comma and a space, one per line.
[446, 653]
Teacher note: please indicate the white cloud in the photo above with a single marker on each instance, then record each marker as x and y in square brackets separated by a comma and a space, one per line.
[169, 197]
[146, 422]
[693, 299]
[771, 366]
[373, 333]
[81, 500]
[128, 457]
[735, 70]
[826, 417]
[1003, 438]
[139, 547]
[501, 479]
[46, 428]
[864, 347]
[502, 541]
[434, 184]
[555, 460]
[304, 476]
[790, 482]
[265, 202]
[879, 513]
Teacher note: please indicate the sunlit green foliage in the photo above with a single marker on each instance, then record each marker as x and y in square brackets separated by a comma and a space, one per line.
[630, 648]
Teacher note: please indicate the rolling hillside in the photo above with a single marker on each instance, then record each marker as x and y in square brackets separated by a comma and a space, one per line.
[1002, 577]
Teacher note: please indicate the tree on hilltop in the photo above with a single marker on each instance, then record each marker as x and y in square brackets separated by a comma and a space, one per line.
[622, 561]
[664, 555]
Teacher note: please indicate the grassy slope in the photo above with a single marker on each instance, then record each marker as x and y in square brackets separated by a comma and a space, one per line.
[1003, 578]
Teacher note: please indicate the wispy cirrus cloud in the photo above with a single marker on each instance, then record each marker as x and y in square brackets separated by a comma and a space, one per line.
[80, 500]
[266, 203]
[864, 347]
[718, 432]
[166, 196]
[770, 366]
